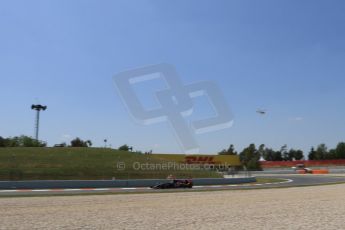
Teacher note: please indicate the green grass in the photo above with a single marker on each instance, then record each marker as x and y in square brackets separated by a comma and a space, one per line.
[82, 164]
[268, 180]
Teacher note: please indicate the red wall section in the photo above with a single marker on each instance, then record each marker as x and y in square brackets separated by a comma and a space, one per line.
[276, 164]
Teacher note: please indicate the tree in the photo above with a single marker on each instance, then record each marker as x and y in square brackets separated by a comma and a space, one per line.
[21, 141]
[285, 153]
[77, 142]
[291, 155]
[261, 150]
[299, 155]
[26, 141]
[88, 143]
[331, 155]
[340, 151]
[125, 148]
[312, 154]
[250, 157]
[229, 151]
[2, 142]
[13, 142]
[295, 155]
[269, 154]
[321, 152]
[278, 156]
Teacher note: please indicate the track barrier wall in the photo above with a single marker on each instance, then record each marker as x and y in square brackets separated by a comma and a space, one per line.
[289, 164]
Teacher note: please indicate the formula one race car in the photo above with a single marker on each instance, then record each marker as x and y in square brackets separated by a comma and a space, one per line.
[300, 168]
[175, 184]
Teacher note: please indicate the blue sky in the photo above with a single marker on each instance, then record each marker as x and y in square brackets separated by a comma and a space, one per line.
[285, 56]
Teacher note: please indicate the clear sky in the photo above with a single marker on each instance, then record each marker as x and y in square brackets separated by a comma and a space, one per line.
[284, 56]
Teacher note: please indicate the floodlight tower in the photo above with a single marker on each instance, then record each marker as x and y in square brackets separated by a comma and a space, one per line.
[38, 109]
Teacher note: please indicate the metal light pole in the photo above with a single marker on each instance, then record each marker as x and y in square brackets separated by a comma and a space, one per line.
[38, 109]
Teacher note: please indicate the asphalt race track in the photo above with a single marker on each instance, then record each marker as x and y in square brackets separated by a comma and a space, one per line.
[289, 181]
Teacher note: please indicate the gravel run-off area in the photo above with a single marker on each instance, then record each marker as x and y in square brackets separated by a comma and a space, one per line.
[321, 207]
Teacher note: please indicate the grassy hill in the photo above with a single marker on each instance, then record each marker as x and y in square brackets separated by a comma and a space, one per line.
[83, 164]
